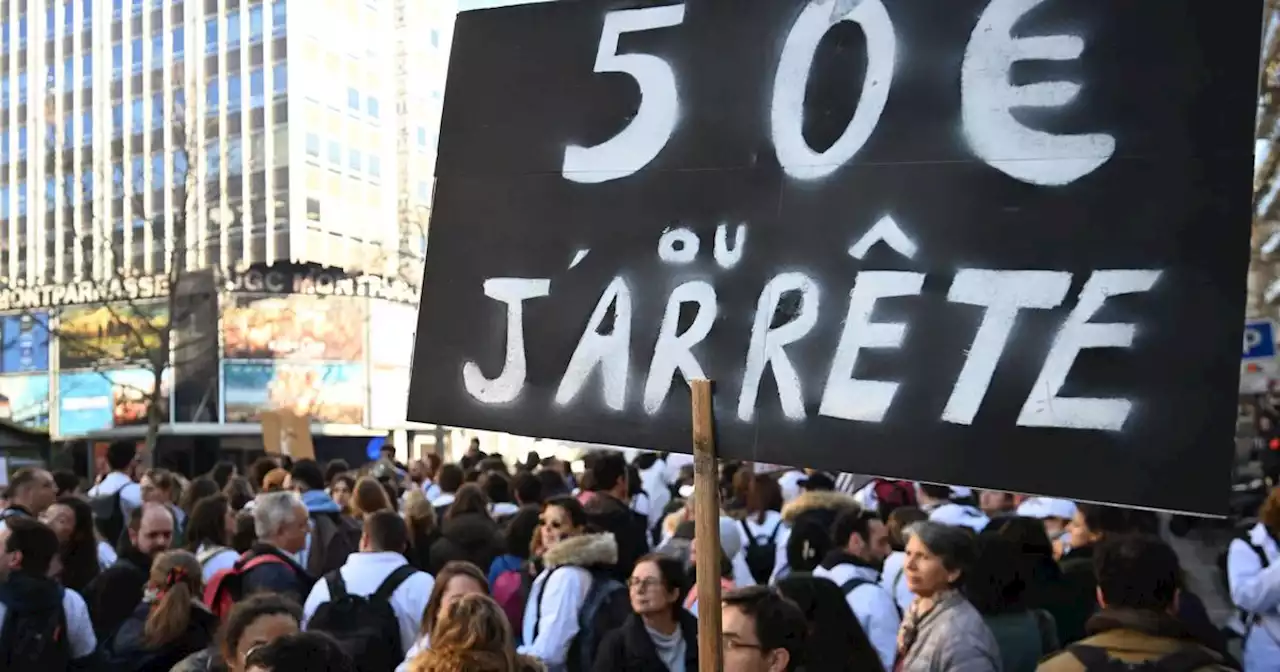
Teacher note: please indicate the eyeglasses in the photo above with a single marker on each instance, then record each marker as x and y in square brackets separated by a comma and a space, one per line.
[553, 524]
[643, 584]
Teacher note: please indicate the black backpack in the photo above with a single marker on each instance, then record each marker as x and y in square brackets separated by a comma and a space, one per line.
[107, 516]
[605, 609]
[1243, 536]
[761, 557]
[1188, 659]
[366, 628]
[35, 639]
[810, 539]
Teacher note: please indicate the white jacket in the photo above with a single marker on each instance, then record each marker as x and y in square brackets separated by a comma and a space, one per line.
[557, 595]
[872, 606]
[959, 515]
[894, 579]
[362, 574]
[1256, 590]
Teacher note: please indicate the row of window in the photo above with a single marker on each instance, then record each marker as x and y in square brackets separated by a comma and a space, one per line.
[357, 163]
[64, 13]
[136, 47]
[257, 89]
[371, 106]
[231, 27]
[138, 116]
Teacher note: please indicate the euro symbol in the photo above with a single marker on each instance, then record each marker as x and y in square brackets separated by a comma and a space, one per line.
[988, 98]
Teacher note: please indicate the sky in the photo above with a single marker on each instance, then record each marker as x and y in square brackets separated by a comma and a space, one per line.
[464, 5]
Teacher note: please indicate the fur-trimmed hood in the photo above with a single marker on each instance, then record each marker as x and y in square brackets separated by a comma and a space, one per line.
[586, 550]
[817, 499]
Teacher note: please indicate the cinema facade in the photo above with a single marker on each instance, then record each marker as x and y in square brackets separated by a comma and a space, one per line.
[75, 359]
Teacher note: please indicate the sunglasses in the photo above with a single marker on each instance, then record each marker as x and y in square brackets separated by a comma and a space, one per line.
[553, 524]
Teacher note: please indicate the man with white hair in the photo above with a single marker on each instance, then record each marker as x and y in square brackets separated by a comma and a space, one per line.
[280, 521]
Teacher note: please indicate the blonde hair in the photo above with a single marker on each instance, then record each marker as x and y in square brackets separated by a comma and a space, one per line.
[418, 512]
[472, 635]
[176, 580]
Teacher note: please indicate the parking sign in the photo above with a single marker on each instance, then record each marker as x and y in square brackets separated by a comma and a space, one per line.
[1258, 357]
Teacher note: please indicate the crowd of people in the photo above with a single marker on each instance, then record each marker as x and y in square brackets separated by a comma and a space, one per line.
[484, 566]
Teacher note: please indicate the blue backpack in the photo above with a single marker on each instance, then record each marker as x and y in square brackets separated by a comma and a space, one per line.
[605, 609]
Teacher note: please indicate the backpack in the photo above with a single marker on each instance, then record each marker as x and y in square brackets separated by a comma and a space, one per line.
[1095, 659]
[226, 587]
[35, 639]
[852, 584]
[1243, 536]
[511, 591]
[606, 607]
[810, 539]
[761, 557]
[893, 494]
[366, 628]
[107, 516]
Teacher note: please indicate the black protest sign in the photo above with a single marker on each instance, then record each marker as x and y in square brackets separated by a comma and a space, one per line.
[1000, 243]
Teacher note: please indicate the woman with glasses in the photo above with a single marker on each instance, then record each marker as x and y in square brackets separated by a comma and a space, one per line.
[660, 636]
[569, 557]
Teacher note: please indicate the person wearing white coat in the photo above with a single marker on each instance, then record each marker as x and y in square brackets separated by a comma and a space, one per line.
[558, 593]
[862, 543]
[1253, 573]
[935, 500]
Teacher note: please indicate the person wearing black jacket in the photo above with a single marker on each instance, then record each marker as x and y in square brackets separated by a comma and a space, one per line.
[281, 523]
[608, 511]
[660, 636]
[468, 532]
[114, 593]
[170, 623]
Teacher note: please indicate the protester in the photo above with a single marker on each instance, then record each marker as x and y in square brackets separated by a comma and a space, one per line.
[558, 593]
[518, 538]
[239, 493]
[473, 635]
[996, 586]
[160, 486]
[32, 634]
[330, 536]
[942, 630]
[253, 623]
[806, 538]
[861, 546]
[122, 460]
[420, 517]
[275, 480]
[467, 532]
[454, 581]
[451, 478]
[607, 508]
[1055, 514]
[660, 636]
[473, 456]
[309, 651]
[82, 555]
[761, 631]
[195, 491]
[66, 483]
[209, 532]
[527, 489]
[996, 503]
[170, 623]
[939, 501]
[761, 525]
[727, 574]
[833, 632]
[1138, 578]
[342, 488]
[280, 523]
[497, 488]
[369, 497]
[653, 481]
[1091, 524]
[222, 473]
[378, 571]
[1254, 581]
[115, 592]
[31, 491]
[893, 575]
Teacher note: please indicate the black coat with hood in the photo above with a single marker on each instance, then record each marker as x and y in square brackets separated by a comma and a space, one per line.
[113, 595]
[127, 650]
[473, 537]
[631, 649]
[810, 517]
[606, 513]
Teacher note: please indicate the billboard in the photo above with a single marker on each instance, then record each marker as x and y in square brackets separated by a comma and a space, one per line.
[24, 342]
[89, 401]
[294, 327]
[106, 336]
[329, 393]
[388, 396]
[391, 327]
[24, 400]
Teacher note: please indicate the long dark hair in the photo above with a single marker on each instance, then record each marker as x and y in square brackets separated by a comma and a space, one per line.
[80, 553]
[833, 628]
[207, 524]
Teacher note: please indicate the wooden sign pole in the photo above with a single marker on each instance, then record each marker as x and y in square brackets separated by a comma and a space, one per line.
[706, 496]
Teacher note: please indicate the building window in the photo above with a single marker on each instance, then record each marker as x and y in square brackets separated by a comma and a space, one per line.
[22, 87]
[86, 128]
[257, 97]
[375, 168]
[435, 38]
[68, 16]
[235, 159]
[179, 166]
[353, 160]
[86, 69]
[233, 30]
[213, 162]
[211, 35]
[117, 120]
[371, 105]
[88, 13]
[424, 191]
[279, 79]
[22, 142]
[278, 17]
[211, 97]
[157, 171]
[255, 23]
[135, 52]
[179, 42]
[22, 31]
[117, 60]
[50, 192]
[135, 109]
[335, 153]
[313, 145]
[157, 110]
[157, 51]
[422, 137]
[137, 7]
[22, 199]
[353, 99]
[68, 74]
[233, 94]
[137, 174]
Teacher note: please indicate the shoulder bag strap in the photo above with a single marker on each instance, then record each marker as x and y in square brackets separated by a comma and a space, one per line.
[1090, 656]
[746, 531]
[337, 588]
[393, 581]
[537, 606]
